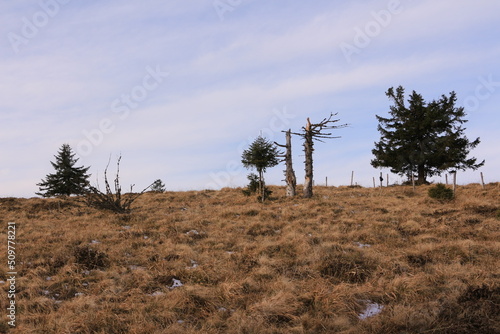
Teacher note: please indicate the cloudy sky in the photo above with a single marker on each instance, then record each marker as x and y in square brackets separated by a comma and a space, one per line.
[179, 88]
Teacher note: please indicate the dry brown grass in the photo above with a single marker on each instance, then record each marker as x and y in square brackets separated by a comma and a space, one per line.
[286, 266]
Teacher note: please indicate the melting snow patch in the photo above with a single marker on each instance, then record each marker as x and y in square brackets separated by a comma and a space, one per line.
[175, 284]
[95, 242]
[194, 264]
[134, 267]
[78, 294]
[126, 227]
[48, 278]
[157, 293]
[371, 310]
[360, 245]
[192, 232]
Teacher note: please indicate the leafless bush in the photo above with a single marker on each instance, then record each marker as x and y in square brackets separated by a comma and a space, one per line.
[116, 202]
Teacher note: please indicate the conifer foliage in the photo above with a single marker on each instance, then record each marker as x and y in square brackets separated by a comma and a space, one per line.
[423, 138]
[261, 154]
[67, 179]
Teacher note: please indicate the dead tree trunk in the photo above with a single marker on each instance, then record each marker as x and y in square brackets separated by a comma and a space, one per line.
[308, 150]
[310, 133]
[291, 181]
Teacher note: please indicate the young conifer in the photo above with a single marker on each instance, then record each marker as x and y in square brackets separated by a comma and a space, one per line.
[67, 179]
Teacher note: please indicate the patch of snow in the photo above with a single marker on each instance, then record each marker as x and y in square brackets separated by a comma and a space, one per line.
[371, 310]
[126, 227]
[78, 294]
[360, 245]
[134, 267]
[230, 252]
[48, 278]
[180, 321]
[175, 284]
[95, 242]
[146, 237]
[192, 232]
[2, 282]
[157, 293]
[194, 264]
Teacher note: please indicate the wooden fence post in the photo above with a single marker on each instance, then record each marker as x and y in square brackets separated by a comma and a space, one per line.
[374, 185]
[482, 180]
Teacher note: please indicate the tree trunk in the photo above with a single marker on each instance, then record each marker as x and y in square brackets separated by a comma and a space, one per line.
[291, 181]
[261, 185]
[421, 175]
[308, 149]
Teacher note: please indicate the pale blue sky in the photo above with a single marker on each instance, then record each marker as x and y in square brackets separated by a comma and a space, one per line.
[179, 88]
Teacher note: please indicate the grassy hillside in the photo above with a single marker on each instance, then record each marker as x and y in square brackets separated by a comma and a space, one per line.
[220, 262]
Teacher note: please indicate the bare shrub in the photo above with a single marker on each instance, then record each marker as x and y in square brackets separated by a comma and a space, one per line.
[108, 200]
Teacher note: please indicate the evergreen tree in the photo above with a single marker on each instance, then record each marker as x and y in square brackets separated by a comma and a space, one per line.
[423, 138]
[261, 154]
[158, 186]
[68, 179]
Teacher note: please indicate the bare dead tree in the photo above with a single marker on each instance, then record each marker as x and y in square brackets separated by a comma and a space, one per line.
[291, 181]
[310, 133]
[108, 200]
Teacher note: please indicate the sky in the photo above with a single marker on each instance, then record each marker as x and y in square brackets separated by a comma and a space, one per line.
[180, 88]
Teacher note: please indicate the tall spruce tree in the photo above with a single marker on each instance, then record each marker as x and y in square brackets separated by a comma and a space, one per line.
[68, 179]
[261, 155]
[422, 138]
